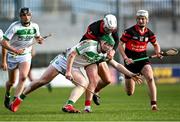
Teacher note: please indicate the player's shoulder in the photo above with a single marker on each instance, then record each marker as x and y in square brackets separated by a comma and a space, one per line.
[150, 31]
[90, 42]
[15, 23]
[33, 23]
[130, 28]
[96, 23]
[87, 44]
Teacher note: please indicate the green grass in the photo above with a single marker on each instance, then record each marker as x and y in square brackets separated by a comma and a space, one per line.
[116, 105]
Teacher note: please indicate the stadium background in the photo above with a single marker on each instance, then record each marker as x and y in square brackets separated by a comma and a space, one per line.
[67, 20]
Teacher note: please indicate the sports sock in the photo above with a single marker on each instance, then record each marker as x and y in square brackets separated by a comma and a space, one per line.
[70, 102]
[87, 108]
[22, 96]
[153, 102]
[7, 93]
[87, 103]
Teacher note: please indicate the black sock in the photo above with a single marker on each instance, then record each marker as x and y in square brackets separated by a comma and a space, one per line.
[7, 93]
[14, 98]
[153, 102]
[22, 96]
[70, 102]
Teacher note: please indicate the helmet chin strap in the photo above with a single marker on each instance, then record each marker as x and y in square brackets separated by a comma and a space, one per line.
[141, 26]
[25, 23]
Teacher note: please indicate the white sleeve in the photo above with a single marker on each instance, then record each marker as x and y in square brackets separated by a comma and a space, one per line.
[1, 34]
[37, 30]
[83, 47]
[10, 32]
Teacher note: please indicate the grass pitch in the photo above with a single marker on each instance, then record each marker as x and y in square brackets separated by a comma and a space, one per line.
[115, 106]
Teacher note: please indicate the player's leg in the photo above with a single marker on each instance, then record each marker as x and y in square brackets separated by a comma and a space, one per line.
[148, 74]
[31, 78]
[104, 73]
[76, 92]
[129, 86]
[23, 73]
[47, 76]
[129, 82]
[49, 87]
[50, 73]
[94, 78]
[12, 75]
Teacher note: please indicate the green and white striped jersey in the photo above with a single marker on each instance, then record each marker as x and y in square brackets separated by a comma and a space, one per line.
[87, 53]
[20, 36]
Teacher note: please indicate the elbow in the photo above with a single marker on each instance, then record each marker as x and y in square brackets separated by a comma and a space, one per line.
[3, 43]
[72, 54]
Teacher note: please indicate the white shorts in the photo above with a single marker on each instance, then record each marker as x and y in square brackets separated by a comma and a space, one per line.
[14, 60]
[60, 63]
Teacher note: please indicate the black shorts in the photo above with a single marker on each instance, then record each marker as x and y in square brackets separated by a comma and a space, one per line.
[137, 66]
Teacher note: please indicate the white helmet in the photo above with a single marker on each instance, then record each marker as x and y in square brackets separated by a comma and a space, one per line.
[110, 22]
[1, 34]
[142, 13]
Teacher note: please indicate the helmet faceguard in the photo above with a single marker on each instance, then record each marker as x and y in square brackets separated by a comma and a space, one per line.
[110, 23]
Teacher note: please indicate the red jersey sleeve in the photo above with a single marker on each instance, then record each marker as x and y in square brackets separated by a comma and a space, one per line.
[152, 37]
[125, 37]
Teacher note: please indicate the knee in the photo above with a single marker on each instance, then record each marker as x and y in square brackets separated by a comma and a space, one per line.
[10, 83]
[22, 79]
[149, 79]
[108, 81]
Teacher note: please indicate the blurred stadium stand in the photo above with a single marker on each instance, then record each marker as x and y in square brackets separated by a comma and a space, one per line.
[166, 73]
[67, 20]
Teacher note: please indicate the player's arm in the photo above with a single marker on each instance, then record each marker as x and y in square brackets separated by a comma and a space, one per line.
[121, 50]
[5, 44]
[125, 71]
[70, 60]
[116, 39]
[121, 68]
[153, 41]
[157, 49]
[39, 39]
[4, 59]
